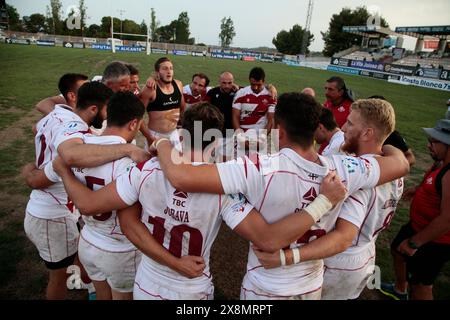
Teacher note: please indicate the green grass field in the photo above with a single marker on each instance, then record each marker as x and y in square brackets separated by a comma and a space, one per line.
[30, 73]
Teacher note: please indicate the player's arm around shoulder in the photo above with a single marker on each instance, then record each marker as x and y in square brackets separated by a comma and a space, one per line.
[184, 176]
[76, 153]
[89, 202]
[47, 105]
[393, 165]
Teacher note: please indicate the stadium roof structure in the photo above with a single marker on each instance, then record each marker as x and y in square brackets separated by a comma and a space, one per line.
[367, 31]
[442, 32]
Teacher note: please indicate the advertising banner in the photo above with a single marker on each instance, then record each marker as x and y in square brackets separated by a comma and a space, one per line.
[180, 53]
[424, 83]
[75, 45]
[90, 40]
[340, 62]
[160, 51]
[343, 70]
[225, 56]
[17, 41]
[367, 65]
[46, 43]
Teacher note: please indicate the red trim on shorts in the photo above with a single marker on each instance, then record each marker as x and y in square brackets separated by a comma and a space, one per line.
[148, 293]
[67, 238]
[104, 250]
[275, 296]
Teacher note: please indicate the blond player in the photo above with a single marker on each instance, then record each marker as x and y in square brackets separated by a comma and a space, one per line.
[350, 246]
[371, 211]
[279, 184]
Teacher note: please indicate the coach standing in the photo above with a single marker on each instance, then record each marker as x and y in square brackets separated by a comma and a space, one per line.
[422, 247]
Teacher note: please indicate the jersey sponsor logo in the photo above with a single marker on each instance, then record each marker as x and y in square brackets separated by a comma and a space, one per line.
[310, 195]
[391, 203]
[180, 194]
[313, 176]
[178, 215]
[72, 125]
[351, 164]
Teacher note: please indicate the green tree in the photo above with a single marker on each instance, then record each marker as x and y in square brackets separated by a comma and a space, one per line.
[166, 33]
[227, 32]
[94, 31]
[290, 42]
[13, 18]
[335, 39]
[182, 32]
[83, 15]
[35, 23]
[56, 25]
[130, 26]
[143, 27]
[105, 26]
[154, 25]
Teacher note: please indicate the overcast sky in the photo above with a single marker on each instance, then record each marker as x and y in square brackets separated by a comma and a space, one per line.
[255, 22]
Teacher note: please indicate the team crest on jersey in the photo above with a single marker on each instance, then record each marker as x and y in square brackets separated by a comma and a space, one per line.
[391, 203]
[265, 101]
[430, 181]
[310, 195]
[240, 204]
[341, 109]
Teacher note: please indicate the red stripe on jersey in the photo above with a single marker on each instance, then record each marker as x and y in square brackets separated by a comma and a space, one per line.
[262, 102]
[254, 158]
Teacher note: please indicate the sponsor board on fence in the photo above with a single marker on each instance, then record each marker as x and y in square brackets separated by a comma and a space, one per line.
[367, 65]
[198, 54]
[248, 58]
[398, 69]
[427, 73]
[180, 52]
[293, 63]
[75, 45]
[340, 62]
[445, 75]
[225, 56]
[17, 41]
[46, 43]
[425, 83]
[161, 51]
[343, 70]
[118, 48]
[376, 75]
[90, 40]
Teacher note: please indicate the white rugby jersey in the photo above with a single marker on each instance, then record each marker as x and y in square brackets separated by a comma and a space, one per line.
[280, 184]
[58, 126]
[372, 210]
[103, 230]
[184, 223]
[254, 107]
[334, 147]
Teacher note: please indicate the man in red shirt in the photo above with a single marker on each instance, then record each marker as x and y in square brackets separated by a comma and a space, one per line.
[422, 247]
[338, 99]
